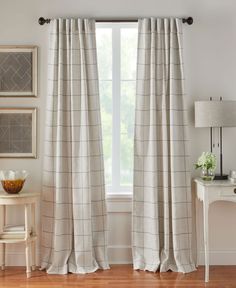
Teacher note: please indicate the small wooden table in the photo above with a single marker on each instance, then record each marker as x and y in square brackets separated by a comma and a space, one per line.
[28, 236]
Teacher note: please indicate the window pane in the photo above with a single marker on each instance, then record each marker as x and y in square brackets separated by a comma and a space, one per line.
[105, 88]
[104, 52]
[129, 38]
[127, 132]
[116, 76]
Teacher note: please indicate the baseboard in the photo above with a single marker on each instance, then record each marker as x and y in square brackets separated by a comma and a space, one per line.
[122, 254]
[117, 254]
[18, 259]
[219, 257]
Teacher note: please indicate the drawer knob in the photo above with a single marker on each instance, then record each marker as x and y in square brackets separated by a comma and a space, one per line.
[234, 190]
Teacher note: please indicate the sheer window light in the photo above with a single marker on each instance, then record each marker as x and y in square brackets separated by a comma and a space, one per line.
[117, 55]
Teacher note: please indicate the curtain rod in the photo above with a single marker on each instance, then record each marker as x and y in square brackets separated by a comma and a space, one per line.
[188, 20]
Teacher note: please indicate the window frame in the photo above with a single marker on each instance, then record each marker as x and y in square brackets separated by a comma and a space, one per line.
[116, 189]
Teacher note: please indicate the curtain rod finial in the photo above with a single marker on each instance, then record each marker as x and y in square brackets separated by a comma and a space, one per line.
[188, 20]
[42, 21]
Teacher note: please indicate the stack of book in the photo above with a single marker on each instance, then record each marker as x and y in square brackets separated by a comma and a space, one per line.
[13, 231]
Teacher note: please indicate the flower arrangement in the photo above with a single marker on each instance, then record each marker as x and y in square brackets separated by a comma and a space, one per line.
[207, 162]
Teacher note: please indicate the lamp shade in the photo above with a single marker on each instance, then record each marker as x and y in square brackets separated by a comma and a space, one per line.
[215, 114]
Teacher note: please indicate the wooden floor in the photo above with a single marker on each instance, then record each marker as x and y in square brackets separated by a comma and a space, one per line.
[120, 276]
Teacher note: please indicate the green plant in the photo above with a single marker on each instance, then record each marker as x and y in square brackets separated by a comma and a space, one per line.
[206, 161]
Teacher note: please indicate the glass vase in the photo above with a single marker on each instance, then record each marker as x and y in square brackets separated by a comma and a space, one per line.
[207, 174]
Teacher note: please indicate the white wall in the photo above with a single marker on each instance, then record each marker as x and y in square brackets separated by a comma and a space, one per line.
[210, 65]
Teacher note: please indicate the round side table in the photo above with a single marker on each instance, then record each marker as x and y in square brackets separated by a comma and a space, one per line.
[28, 235]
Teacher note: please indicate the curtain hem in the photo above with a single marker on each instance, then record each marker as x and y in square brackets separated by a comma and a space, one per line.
[51, 269]
[154, 268]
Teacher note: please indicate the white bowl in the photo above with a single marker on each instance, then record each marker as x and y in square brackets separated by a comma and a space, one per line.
[13, 174]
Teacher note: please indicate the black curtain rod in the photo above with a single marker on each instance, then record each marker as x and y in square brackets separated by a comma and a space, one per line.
[188, 20]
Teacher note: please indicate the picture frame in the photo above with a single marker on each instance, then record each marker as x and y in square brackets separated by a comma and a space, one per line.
[18, 137]
[18, 71]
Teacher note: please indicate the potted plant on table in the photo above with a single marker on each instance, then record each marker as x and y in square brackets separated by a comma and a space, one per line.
[207, 162]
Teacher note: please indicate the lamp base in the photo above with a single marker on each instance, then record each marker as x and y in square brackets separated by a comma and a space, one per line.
[221, 177]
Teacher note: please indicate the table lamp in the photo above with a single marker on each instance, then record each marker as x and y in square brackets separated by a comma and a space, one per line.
[218, 114]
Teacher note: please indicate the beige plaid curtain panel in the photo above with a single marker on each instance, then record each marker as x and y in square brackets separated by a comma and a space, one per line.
[162, 196]
[74, 237]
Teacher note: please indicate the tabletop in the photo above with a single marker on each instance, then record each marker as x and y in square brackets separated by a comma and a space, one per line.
[224, 183]
[22, 194]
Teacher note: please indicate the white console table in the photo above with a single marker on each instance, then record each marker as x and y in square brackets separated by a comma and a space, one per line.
[28, 200]
[209, 192]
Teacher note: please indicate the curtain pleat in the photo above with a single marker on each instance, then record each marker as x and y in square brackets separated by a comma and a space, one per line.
[74, 229]
[162, 221]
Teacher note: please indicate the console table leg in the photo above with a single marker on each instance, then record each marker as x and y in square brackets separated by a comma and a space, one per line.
[197, 231]
[3, 256]
[3, 245]
[206, 240]
[28, 270]
[33, 244]
[27, 247]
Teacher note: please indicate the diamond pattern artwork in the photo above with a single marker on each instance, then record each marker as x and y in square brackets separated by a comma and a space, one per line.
[15, 133]
[15, 71]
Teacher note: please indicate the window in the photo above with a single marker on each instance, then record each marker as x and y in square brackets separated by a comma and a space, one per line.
[117, 56]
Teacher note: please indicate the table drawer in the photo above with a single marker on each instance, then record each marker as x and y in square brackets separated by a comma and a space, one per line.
[228, 191]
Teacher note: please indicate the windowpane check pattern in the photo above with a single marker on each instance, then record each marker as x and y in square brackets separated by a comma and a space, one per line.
[117, 58]
[162, 223]
[74, 233]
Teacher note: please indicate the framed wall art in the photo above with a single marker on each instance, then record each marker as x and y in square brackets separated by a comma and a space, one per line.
[18, 71]
[18, 132]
